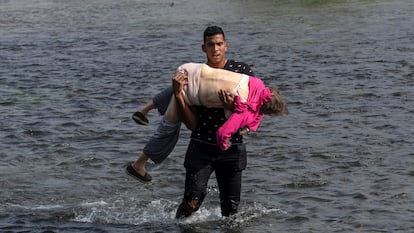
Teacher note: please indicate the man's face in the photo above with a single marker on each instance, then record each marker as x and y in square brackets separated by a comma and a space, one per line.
[215, 48]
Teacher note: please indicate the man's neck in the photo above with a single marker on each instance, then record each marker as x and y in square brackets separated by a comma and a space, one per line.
[219, 65]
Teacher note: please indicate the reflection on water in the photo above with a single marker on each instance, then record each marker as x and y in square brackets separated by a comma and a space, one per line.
[73, 72]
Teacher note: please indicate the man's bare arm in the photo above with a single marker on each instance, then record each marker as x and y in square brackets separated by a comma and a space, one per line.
[227, 99]
[188, 114]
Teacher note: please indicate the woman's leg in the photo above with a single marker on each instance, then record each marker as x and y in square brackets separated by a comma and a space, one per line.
[147, 107]
[163, 141]
[158, 147]
[160, 101]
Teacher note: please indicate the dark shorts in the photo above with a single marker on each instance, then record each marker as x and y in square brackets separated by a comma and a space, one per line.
[162, 143]
[166, 136]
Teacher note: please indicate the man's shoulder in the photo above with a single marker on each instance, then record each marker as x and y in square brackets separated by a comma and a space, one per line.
[239, 67]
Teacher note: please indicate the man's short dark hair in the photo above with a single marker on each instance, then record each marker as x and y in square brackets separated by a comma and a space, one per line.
[212, 31]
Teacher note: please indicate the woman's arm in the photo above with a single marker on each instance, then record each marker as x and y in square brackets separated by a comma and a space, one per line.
[188, 114]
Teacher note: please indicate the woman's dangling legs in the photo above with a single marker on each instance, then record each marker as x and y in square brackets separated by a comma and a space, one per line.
[162, 142]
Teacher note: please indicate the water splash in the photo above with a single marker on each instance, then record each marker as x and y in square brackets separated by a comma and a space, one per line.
[252, 212]
[162, 211]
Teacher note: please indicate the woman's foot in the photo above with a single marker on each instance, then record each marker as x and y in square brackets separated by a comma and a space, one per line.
[138, 173]
[140, 118]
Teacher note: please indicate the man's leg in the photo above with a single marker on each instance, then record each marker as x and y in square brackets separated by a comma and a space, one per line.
[198, 171]
[229, 178]
[229, 168]
[195, 192]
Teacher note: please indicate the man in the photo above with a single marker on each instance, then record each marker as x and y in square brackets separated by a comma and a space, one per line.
[203, 154]
[215, 51]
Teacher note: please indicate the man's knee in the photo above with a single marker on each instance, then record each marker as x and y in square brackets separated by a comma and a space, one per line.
[190, 204]
[186, 208]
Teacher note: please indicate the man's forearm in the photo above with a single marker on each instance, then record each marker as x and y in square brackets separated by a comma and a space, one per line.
[188, 114]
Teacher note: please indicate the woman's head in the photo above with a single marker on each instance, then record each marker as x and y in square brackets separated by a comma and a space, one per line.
[276, 105]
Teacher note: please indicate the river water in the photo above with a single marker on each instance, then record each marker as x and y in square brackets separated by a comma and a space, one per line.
[73, 72]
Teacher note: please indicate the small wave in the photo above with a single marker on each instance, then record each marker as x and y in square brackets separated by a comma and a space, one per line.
[95, 203]
[37, 207]
[307, 184]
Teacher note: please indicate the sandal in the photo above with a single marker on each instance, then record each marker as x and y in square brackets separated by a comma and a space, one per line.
[131, 171]
[140, 118]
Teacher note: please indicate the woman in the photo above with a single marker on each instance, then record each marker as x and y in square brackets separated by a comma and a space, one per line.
[253, 99]
[203, 85]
